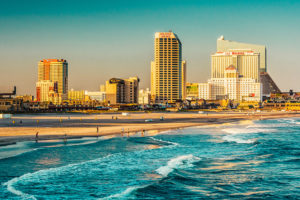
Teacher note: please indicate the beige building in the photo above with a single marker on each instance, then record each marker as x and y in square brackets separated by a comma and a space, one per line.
[55, 71]
[43, 90]
[76, 95]
[204, 90]
[246, 63]
[144, 97]
[168, 71]
[122, 90]
[228, 45]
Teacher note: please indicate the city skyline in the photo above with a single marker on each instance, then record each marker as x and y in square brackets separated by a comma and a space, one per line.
[112, 41]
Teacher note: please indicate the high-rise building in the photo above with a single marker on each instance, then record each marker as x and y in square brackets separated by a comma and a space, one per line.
[246, 63]
[168, 71]
[228, 45]
[55, 71]
[122, 90]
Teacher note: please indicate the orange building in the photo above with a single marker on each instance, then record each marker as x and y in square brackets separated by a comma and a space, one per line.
[54, 72]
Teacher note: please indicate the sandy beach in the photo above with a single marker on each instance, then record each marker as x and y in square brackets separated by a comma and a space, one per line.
[54, 126]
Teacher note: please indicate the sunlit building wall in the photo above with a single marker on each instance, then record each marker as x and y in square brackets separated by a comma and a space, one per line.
[120, 91]
[144, 97]
[168, 71]
[246, 63]
[192, 91]
[56, 71]
[228, 45]
[76, 95]
[43, 89]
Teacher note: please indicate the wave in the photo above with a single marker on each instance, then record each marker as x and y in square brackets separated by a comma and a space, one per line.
[14, 154]
[234, 138]
[11, 151]
[289, 121]
[47, 173]
[123, 194]
[12, 189]
[179, 162]
[164, 141]
[247, 130]
[41, 173]
[278, 125]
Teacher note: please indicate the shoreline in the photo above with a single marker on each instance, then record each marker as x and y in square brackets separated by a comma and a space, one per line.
[85, 126]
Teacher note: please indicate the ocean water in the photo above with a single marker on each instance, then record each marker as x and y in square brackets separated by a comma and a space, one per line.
[249, 160]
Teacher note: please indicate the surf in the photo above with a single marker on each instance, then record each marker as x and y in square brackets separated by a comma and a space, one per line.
[180, 162]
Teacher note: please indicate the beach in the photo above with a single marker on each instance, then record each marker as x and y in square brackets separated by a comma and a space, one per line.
[56, 126]
[245, 158]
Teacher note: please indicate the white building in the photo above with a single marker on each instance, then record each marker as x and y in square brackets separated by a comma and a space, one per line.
[232, 87]
[99, 96]
[144, 96]
[245, 61]
[204, 91]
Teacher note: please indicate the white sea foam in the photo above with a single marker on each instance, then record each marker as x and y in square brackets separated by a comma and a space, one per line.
[168, 142]
[123, 194]
[268, 125]
[179, 162]
[234, 138]
[12, 189]
[45, 173]
[289, 121]
[247, 130]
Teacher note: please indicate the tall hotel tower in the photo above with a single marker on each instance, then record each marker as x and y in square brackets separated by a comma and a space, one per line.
[52, 85]
[168, 71]
[228, 45]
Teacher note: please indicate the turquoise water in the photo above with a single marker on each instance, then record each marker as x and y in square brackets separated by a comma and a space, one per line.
[256, 160]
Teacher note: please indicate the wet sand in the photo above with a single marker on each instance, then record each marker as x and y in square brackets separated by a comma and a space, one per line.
[56, 126]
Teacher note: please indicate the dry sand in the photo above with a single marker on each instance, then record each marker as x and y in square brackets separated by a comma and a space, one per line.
[50, 126]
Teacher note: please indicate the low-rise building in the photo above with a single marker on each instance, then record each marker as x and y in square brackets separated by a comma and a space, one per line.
[94, 95]
[122, 91]
[231, 87]
[74, 95]
[144, 96]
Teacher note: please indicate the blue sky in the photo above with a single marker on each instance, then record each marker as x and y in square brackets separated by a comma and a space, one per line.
[104, 39]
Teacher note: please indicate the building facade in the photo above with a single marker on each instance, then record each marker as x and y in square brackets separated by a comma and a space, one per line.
[168, 71]
[192, 91]
[144, 97]
[124, 91]
[246, 62]
[43, 90]
[98, 96]
[228, 45]
[55, 71]
[76, 95]
[234, 87]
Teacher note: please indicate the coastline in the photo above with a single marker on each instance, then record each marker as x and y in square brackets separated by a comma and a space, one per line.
[55, 127]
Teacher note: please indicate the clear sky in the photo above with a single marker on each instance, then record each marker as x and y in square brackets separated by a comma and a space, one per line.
[105, 39]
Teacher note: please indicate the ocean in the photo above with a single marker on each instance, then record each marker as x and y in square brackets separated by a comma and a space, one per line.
[245, 160]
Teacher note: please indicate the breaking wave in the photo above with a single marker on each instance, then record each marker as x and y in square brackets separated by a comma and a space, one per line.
[248, 130]
[179, 162]
[234, 138]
